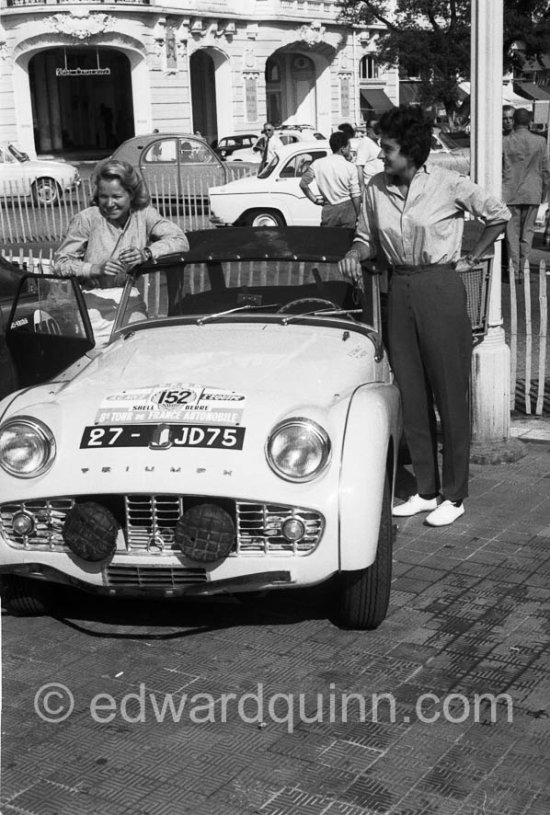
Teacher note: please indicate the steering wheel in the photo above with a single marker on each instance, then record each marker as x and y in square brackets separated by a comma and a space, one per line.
[307, 304]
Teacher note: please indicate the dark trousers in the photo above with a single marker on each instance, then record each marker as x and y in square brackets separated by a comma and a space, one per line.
[430, 347]
[342, 214]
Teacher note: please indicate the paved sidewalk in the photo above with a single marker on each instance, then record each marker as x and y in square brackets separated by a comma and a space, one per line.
[466, 647]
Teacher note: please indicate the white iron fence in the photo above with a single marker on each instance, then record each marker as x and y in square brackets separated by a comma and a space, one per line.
[24, 220]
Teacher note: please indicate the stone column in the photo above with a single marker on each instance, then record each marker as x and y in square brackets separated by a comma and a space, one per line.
[491, 361]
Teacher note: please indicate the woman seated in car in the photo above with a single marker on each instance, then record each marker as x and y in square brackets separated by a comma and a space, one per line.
[105, 241]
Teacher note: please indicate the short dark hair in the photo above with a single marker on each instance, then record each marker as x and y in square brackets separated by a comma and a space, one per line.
[129, 178]
[411, 129]
[337, 140]
[522, 117]
[345, 127]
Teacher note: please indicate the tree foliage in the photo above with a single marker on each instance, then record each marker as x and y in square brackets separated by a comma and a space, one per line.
[430, 39]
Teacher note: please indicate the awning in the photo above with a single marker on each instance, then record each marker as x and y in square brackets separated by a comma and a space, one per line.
[376, 100]
[529, 90]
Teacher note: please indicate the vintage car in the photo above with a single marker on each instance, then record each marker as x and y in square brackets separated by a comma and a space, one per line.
[45, 180]
[286, 133]
[227, 145]
[273, 197]
[176, 165]
[240, 437]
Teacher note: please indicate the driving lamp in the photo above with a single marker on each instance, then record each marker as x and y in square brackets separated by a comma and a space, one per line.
[27, 447]
[298, 449]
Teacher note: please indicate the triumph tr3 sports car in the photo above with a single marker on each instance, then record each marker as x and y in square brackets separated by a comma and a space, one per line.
[239, 433]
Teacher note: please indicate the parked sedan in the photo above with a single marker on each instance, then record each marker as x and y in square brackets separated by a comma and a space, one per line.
[273, 197]
[174, 165]
[47, 181]
[240, 436]
[287, 135]
[227, 145]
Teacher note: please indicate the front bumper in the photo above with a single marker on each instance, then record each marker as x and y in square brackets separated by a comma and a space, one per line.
[147, 558]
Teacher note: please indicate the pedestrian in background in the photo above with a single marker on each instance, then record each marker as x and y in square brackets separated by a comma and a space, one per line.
[507, 119]
[338, 184]
[413, 218]
[105, 241]
[525, 185]
[272, 143]
[368, 156]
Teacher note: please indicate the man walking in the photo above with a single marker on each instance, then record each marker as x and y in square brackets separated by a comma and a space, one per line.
[525, 185]
[338, 184]
[272, 143]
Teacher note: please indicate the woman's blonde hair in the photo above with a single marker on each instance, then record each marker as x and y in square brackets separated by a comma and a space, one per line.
[129, 178]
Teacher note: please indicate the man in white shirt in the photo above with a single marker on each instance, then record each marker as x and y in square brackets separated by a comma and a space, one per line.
[336, 178]
[271, 145]
[368, 159]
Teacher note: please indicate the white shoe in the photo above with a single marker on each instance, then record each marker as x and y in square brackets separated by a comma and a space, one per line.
[445, 514]
[413, 506]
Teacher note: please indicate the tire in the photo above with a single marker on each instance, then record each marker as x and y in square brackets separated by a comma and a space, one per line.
[46, 191]
[264, 217]
[23, 597]
[364, 595]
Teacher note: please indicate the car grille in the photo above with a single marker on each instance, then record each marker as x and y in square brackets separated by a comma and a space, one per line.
[152, 577]
[148, 524]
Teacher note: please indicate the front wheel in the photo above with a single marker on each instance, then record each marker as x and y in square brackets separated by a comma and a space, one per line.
[264, 218]
[23, 597]
[46, 191]
[364, 595]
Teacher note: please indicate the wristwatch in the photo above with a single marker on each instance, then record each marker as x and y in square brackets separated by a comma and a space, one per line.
[147, 254]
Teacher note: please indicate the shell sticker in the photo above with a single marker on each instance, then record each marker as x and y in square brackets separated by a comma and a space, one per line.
[172, 403]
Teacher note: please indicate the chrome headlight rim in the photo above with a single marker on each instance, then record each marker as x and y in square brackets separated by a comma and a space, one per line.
[46, 437]
[317, 430]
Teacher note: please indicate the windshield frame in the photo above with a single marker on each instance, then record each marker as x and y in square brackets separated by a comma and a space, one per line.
[370, 325]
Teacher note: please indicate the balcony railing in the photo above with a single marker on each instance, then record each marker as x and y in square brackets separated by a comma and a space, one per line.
[20, 3]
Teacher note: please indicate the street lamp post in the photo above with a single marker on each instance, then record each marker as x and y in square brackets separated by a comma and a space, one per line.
[491, 360]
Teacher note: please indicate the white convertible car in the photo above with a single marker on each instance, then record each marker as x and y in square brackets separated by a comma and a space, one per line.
[239, 433]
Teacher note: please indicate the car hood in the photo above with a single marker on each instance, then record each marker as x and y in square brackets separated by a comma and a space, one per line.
[49, 165]
[271, 365]
[241, 185]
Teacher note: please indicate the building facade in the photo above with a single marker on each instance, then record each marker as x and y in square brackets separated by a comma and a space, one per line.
[85, 75]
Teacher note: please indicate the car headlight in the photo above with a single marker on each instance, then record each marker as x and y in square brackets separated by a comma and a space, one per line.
[27, 447]
[298, 449]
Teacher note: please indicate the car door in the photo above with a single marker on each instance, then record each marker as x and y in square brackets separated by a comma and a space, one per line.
[180, 167]
[48, 328]
[287, 195]
[199, 168]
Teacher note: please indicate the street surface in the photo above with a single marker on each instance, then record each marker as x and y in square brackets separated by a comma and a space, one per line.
[227, 707]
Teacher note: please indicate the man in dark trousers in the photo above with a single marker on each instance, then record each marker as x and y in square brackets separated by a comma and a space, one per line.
[338, 183]
[525, 185]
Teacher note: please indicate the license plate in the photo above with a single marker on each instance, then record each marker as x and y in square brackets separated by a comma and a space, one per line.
[163, 437]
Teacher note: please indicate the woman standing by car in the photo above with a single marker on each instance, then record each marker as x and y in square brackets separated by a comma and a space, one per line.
[413, 215]
[103, 242]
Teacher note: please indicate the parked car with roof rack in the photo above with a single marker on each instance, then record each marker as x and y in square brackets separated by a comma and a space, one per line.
[272, 197]
[288, 135]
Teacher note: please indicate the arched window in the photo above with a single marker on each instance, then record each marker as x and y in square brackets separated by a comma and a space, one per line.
[369, 67]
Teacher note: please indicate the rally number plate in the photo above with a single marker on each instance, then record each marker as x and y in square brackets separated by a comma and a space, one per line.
[163, 437]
